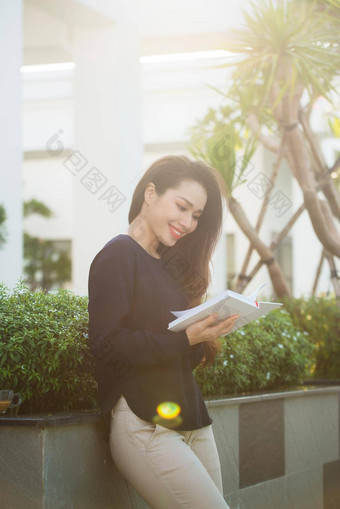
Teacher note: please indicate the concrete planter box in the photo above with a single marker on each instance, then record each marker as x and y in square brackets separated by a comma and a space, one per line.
[277, 450]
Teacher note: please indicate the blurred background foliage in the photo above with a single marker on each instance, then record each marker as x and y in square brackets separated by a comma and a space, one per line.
[47, 263]
[3, 231]
[320, 318]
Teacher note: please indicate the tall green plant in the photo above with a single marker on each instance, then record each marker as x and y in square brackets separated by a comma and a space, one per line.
[285, 47]
[287, 55]
[216, 138]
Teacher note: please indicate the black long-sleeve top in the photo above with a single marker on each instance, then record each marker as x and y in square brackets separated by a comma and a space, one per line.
[131, 294]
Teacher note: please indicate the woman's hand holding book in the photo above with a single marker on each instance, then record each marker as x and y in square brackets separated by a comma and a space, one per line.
[202, 330]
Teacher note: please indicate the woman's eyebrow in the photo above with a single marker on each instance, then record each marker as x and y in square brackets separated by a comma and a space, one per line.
[189, 203]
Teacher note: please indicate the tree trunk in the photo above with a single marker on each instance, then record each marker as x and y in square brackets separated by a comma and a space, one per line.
[322, 173]
[303, 170]
[280, 286]
[318, 272]
[243, 281]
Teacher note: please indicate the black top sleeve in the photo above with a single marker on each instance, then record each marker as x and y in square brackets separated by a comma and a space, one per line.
[111, 287]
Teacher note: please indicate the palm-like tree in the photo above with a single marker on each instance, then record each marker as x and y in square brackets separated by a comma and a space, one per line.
[287, 56]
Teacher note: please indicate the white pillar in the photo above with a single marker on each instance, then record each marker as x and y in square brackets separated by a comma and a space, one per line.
[107, 138]
[10, 136]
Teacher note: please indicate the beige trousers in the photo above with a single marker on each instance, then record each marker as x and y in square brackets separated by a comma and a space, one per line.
[170, 469]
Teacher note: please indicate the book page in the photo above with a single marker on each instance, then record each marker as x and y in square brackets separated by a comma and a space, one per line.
[250, 299]
[229, 306]
[224, 308]
[264, 308]
[201, 307]
[210, 304]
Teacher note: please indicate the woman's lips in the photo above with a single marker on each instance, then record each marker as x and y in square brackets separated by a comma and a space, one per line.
[174, 232]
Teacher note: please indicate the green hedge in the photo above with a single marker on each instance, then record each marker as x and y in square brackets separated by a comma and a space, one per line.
[43, 350]
[320, 318]
[44, 353]
[266, 354]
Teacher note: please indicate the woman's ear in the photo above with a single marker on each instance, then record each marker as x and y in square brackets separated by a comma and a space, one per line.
[150, 192]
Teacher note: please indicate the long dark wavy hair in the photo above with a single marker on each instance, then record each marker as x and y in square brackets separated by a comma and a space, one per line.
[189, 258]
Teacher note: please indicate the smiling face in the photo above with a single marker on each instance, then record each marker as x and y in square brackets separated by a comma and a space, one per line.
[169, 217]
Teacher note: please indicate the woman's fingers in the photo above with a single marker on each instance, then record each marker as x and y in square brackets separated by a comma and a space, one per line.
[226, 325]
[203, 330]
[209, 319]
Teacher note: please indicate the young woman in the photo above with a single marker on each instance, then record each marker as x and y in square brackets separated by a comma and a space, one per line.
[135, 281]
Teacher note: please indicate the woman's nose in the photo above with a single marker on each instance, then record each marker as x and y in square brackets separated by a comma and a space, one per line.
[186, 222]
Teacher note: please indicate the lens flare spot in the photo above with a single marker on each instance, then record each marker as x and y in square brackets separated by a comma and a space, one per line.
[167, 423]
[168, 410]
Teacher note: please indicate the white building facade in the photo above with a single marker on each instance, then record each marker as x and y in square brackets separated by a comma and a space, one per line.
[90, 129]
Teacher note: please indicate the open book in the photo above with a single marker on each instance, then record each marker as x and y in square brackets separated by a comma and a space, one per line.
[225, 304]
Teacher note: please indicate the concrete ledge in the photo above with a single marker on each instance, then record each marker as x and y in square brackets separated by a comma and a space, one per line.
[277, 450]
[254, 398]
[57, 419]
